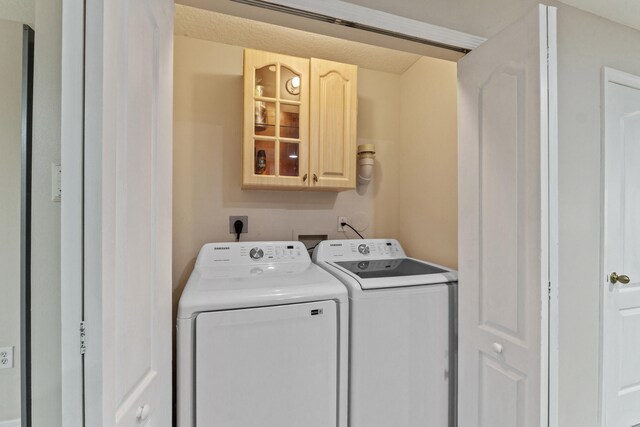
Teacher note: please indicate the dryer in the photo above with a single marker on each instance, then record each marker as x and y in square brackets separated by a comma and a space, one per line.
[403, 333]
[262, 339]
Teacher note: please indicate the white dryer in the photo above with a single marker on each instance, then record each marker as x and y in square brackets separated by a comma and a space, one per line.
[403, 338]
[262, 340]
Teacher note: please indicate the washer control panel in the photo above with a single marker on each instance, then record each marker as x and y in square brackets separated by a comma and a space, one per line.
[246, 253]
[359, 249]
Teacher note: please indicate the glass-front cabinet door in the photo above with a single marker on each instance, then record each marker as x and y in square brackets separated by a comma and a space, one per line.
[275, 148]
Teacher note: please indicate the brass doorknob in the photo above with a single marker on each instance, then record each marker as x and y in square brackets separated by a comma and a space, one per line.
[614, 278]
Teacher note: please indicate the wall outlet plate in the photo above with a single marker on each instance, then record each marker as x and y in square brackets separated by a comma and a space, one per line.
[6, 357]
[342, 219]
[245, 222]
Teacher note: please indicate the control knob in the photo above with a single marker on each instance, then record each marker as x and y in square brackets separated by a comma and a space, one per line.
[363, 249]
[256, 253]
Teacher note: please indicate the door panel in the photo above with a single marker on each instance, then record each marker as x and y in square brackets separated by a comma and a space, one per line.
[267, 367]
[503, 233]
[621, 302]
[333, 124]
[128, 198]
[500, 189]
[501, 394]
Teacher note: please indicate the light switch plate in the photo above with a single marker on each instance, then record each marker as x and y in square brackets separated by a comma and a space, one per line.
[6, 357]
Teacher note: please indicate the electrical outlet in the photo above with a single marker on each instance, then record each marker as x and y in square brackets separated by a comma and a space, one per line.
[245, 223]
[6, 357]
[342, 219]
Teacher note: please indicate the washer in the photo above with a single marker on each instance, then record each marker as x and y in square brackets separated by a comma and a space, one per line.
[403, 338]
[262, 339]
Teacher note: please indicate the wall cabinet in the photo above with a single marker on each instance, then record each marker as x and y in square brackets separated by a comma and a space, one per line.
[299, 127]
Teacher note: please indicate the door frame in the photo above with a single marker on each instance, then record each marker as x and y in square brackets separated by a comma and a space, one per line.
[553, 209]
[609, 75]
[72, 212]
[388, 26]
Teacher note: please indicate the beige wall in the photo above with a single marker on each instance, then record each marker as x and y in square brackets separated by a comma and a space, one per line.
[45, 288]
[45, 17]
[581, 56]
[427, 212]
[207, 151]
[23, 11]
[10, 159]
[379, 121]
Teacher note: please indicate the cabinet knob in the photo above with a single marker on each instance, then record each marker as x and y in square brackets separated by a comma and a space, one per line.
[143, 412]
[497, 348]
[304, 178]
[315, 178]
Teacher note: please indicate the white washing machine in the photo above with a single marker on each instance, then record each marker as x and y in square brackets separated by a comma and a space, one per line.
[403, 337]
[262, 340]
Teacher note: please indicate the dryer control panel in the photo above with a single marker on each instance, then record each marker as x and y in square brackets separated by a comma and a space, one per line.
[336, 250]
[247, 253]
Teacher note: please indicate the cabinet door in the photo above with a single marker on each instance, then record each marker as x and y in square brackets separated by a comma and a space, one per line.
[276, 119]
[333, 120]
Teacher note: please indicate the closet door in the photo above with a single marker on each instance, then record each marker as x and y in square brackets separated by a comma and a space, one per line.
[505, 88]
[127, 234]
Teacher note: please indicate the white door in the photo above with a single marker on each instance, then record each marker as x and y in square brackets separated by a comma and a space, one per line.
[504, 93]
[621, 300]
[127, 242]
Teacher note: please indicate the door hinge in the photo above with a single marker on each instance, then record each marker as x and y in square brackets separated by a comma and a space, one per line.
[549, 291]
[83, 335]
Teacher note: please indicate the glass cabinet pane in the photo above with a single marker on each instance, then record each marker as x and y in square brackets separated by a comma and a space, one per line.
[265, 118]
[289, 84]
[264, 157]
[265, 81]
[289, 153]
[289, 121]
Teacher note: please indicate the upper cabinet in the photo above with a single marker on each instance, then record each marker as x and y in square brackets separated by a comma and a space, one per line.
[299, 127]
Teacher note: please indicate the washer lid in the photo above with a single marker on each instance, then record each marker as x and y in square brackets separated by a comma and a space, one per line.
[394, 273]
[379, 263]
[230, 276]
[377, 268]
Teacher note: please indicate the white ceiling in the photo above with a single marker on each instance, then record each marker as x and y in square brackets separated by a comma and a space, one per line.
[626, 12]
[207, 25]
